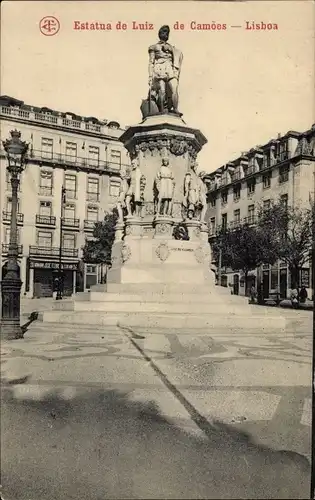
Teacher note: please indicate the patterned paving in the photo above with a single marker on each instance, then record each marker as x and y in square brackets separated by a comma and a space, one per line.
[261, 383]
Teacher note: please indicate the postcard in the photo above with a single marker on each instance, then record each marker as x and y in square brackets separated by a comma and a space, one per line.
[157, 249]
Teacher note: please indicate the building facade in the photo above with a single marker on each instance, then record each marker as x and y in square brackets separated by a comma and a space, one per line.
[81, 154]
[284, 168]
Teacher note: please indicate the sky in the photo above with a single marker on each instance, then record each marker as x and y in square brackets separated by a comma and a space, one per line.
[239, 87]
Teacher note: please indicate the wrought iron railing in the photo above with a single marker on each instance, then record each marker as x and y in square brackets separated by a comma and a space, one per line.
[67, 222]
[5, 248]
[6, 217]
[46, 220]
[40, 251]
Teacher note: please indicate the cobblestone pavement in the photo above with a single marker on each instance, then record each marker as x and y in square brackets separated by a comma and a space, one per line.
[242, 393]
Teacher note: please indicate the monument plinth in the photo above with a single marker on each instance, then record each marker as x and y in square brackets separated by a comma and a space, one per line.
[161, 259]
[163, 150]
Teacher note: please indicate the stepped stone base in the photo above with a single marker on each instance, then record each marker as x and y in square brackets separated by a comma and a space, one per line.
[164, 306]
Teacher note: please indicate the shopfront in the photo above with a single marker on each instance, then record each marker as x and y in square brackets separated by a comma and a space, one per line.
[43, 276]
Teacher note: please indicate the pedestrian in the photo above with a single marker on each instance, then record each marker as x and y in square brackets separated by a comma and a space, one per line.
[303, 295]
[277, 296]
[294, 298]
[253, 294]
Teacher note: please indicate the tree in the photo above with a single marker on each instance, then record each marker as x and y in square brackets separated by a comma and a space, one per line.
[99, 250]
[290, 230]
[244, 248]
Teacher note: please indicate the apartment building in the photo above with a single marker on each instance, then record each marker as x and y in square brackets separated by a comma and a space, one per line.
[283, 168]
[84, 155]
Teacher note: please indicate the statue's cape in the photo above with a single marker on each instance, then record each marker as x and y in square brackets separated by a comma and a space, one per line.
[177, 58]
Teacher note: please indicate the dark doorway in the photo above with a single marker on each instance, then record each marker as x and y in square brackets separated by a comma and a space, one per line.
[236, 284]
[43, 283]
[283, 283]
[266, 284]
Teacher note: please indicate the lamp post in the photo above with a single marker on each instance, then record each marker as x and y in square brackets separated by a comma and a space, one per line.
[60, 275]
[11, 284]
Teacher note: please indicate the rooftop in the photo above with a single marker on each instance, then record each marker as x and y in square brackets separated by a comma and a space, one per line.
[15, 108]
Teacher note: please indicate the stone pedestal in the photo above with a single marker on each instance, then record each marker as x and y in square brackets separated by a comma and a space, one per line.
[148, 252]
[163, 227]
[155, 279]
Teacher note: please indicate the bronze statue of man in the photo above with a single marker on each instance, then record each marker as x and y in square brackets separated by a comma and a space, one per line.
[164, 70]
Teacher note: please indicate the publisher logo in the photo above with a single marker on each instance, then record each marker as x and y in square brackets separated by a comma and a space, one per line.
[49, 26]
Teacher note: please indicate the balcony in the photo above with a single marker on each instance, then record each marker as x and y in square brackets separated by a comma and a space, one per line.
[70, 223]
[65, 160]
[38, 251]
[235, 224]
[250, 170]
[5, 249]
[89, 225]
[6, 217]
[251, 220]
[45, 220]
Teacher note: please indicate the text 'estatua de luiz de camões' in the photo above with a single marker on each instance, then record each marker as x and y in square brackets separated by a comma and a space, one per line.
[179, 26]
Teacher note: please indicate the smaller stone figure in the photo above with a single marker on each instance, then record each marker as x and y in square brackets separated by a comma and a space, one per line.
[191, 192]
[121, 202]
[165, 185]
[134, 195]
[202, 202]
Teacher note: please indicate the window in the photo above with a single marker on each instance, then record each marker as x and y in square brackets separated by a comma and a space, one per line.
[94, 155]
[251, 213]
[224, 197]
[213, 201]
[114, 188]
[71, 151]
[224, 221]
[267, 180]
[71, 185]
[92, 213]
[283, 150]
[7, 235]
[68, 240]
[284, 200]
[45, 208]
[251, 166]
[47, 148]
[224, 179]
[212, 225]
[93, 189]
[251, 187]
[237, 192]
[237, 215]
[46, 182]
[283, 174]
[266, 205]
[115, 158]
[69, 211]
[236, 174]
[266, 160]
[44, 239]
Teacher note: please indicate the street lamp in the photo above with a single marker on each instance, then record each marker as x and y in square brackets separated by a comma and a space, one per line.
[11, 284]
[60, 274]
